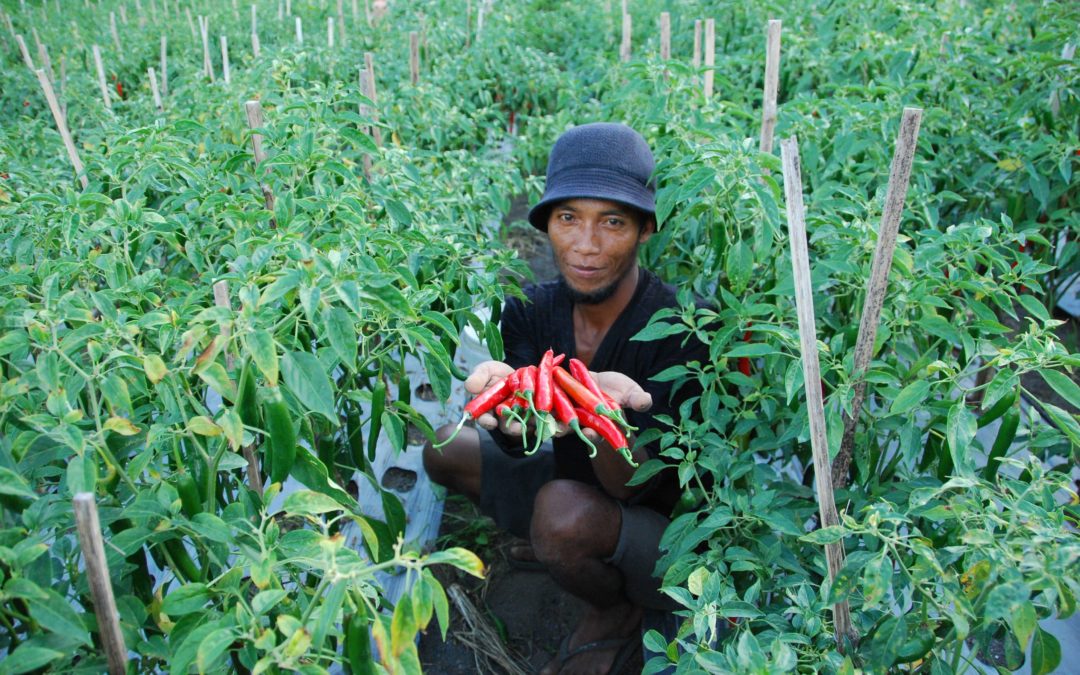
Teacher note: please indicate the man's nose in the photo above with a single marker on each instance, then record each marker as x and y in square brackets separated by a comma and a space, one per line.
[588, 238]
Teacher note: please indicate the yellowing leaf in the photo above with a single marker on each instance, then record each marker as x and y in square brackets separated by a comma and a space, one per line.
[204, 426]
[154, 368]
[1010, 164]
[121, 425]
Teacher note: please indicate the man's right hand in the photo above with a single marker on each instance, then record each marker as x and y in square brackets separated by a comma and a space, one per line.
[485, 375]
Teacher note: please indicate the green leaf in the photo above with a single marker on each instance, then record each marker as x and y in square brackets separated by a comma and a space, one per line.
[82, 474]
[398, 212]
[739, 265]
[233, 426]
[14, 485]
[1063, 385]
[960, 429]
[265, 600]
[56, 615]
[260, 344]
[1045, 653]
[1004, 383]
[343, 338]
[756, 349]
[1033, 306]
[186, 599]
[658, 330]
[910, 397]
[212, 647]
[212, 527]
[154, 368]
[826, 535]
[1066, 421]
[1024, 621]
[26, 658]
[116, 393]
[312, 473]
[310, 503]
[203, 426]
[877, 579]
[306, 378]
[215, 376]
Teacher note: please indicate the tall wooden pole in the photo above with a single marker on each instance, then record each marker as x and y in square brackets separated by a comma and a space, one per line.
[665, 36]
[204, 30]
[62, 127]
[697, 44]
[371, 93]
[414, 57]
[255, 45]
[772, 83]
[710, 56]
[27, 60]
[804, 305]
[102, 84]
[225, 59]
[899, 176]
[253, 110]
[626, 47]
[164, 65]
[154, 88]
[97, 574]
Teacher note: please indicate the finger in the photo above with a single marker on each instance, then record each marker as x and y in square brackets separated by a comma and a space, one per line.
[485, 375]
[487, 421]
[639, 400]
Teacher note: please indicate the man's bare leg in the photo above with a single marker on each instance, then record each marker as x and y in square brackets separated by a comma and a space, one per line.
[575, 527]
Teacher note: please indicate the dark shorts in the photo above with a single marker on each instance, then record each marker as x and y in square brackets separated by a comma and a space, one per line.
[508, 488]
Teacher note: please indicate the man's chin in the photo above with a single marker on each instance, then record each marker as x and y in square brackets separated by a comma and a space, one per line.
[589, 297]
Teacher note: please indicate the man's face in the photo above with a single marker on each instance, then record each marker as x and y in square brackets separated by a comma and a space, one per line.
[595, 243]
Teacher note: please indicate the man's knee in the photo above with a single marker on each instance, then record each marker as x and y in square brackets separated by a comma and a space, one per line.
[455, 465]
[574, 519]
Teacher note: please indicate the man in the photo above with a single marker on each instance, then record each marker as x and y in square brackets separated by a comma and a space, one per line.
[597, 536]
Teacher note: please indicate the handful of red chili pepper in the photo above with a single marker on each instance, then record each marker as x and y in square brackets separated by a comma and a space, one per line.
[548, 394]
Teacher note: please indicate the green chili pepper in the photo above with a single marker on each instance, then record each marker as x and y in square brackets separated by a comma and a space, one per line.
[190, 503]
[246, 405]
[355, 432]
[282, 436]
[1009, 424]
[378, 404]
[184, 566]
[358, 645]
[997, 410]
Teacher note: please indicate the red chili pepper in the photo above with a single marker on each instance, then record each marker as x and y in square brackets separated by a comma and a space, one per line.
[542, 401]
[483, 403]
[608, 431]
[744, 361]
[578, 392]
[564, 414]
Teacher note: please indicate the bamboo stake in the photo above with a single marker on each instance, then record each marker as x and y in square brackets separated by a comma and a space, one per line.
[341, 22]
[899, 175]
[772, 83]
[665, 36]
[367, 14]
[369, 65]
[254, 32]
[164, 66]
[43, 55]
[804, 304]
[710, 56]
[7, 22]
[63, 84]
[221, 299]
[366, 111]
[115, 33]
[139, 11]
[101, 77]
[414, 57]
[468, 22]
[154, 88]
[123, 14]
[236, 10]
[254, 112]
[225, 59]
[191, 24]
[281, 11]
[97, 573]
[697, 44]
[299, 32]
[330, 31]
[625, 47]
[204, 30]
[62, 127]
[355, 13]
[25, 52]
[288, 7]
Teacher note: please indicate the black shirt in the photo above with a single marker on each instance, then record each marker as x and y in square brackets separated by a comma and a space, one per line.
[546, 321]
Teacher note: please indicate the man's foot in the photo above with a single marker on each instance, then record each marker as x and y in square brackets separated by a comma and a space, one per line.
[601, 644]
[521, 557]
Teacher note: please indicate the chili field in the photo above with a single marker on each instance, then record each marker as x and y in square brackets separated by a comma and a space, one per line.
[229, 231]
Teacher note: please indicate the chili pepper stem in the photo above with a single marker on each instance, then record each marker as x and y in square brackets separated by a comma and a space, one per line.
[576, 426]
[454, 434]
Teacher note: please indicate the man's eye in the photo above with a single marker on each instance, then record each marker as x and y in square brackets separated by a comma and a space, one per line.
[614, 222]
[565, 217]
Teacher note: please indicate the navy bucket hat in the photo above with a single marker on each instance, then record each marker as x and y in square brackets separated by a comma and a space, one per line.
[598, 161]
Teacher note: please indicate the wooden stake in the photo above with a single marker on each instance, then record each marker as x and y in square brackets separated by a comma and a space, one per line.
[123, 14]
[341, 22]
[355, 13]
[899, 175]
[191, 24]
[697, 44]
[115, 33]
[154, 88]
[225, 59]
[221, 299]
[97, 573]
[665, 36]
[468, 22]
[772, 83]
[299, 32]
[624, 48]
[139, 11]
[204, 30]
[414, 57]
[365, 111]
[288, 7]
[370, 92]
[25, 52]
[236, 10]
[101, 77]
[254, 32]
[43, 55]
[710, 56]
[164, 66]
[62, 127]
[804, 304]
[63, 84]
[330, 31]
[254, 112]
